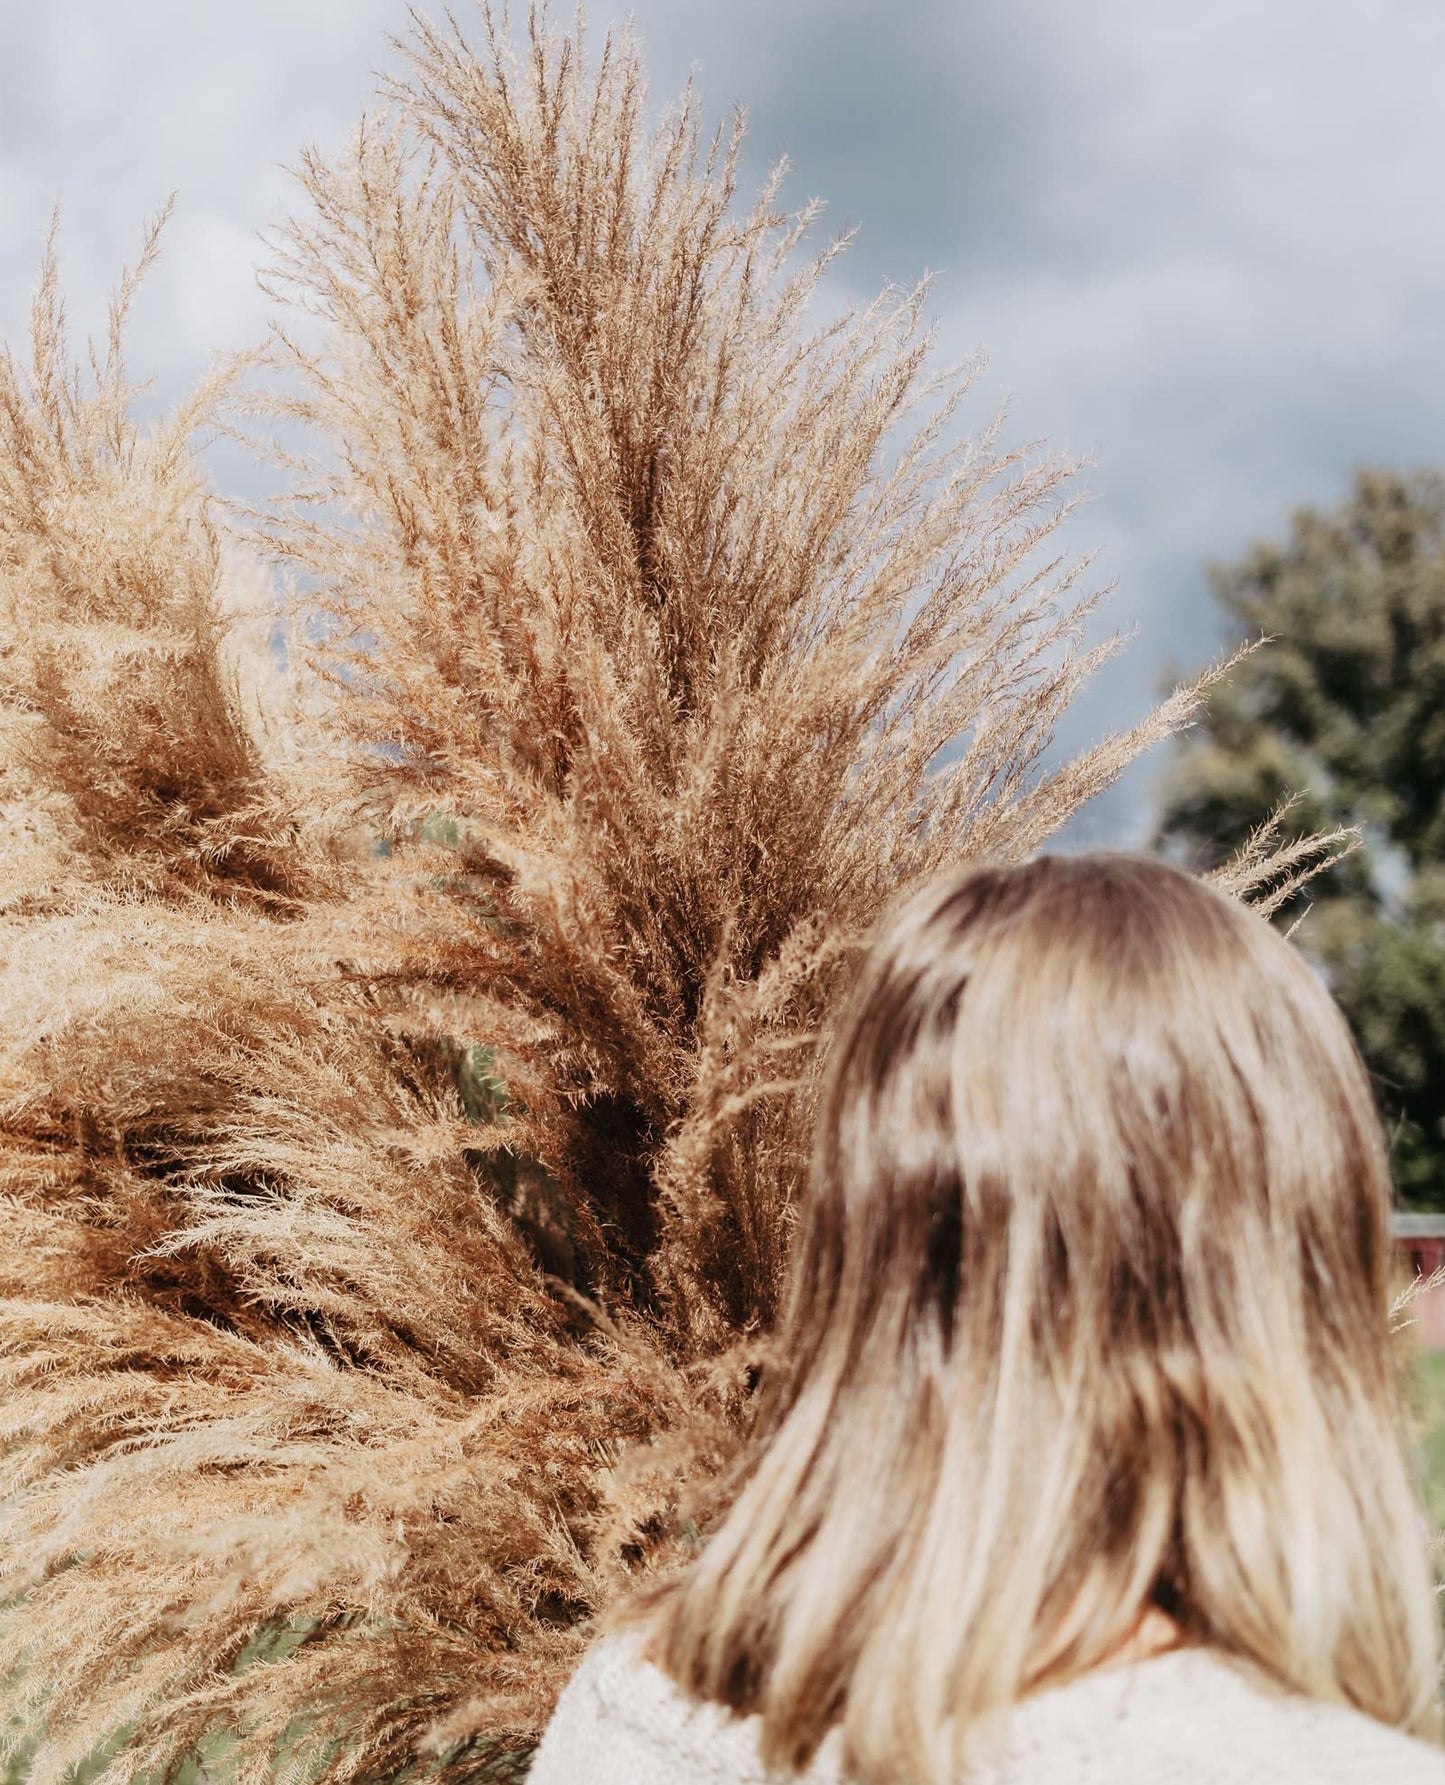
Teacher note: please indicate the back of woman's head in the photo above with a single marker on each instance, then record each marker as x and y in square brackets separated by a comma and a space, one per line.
[1088, 1319]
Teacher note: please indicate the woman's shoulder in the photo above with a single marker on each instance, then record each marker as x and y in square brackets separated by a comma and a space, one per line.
[1181, 1719]
[622, 1721]
[1193, 1718]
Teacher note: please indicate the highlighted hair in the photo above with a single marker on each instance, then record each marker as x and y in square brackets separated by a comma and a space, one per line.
[1088, 1317]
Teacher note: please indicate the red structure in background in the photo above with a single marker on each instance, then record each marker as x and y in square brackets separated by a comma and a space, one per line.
[1420, 1246]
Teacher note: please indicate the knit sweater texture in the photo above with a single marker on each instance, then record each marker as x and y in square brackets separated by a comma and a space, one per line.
[1185, 1718]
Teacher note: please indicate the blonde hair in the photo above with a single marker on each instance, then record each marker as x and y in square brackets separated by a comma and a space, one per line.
[1088, 1317]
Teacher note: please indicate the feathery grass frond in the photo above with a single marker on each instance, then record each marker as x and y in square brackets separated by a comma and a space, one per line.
[402, 1107]
[1268, 869]
[120, 720]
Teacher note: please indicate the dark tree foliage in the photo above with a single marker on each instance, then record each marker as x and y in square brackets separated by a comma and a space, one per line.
[1344, 712]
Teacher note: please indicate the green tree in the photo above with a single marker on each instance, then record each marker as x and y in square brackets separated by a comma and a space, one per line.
[1341, 720]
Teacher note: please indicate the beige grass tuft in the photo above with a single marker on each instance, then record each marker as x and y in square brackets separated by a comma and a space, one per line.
[402, 1100]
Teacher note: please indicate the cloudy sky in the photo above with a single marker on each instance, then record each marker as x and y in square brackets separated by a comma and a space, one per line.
[1200, 244]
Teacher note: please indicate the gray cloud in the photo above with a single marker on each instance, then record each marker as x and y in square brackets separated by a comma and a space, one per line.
[1200, 244]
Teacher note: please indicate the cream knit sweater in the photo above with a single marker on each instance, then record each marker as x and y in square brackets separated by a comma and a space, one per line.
[1178, 1719]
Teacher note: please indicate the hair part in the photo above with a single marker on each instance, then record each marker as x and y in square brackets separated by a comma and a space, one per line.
[1088, 1317]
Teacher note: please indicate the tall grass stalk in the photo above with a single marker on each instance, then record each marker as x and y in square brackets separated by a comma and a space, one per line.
[405, 1062]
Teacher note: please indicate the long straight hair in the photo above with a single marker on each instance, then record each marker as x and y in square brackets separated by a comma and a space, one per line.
[1088, 1316]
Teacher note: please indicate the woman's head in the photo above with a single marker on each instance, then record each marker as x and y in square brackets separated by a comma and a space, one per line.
[1088, 1317]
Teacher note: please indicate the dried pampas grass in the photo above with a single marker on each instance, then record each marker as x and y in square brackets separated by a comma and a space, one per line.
[403, 1096]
